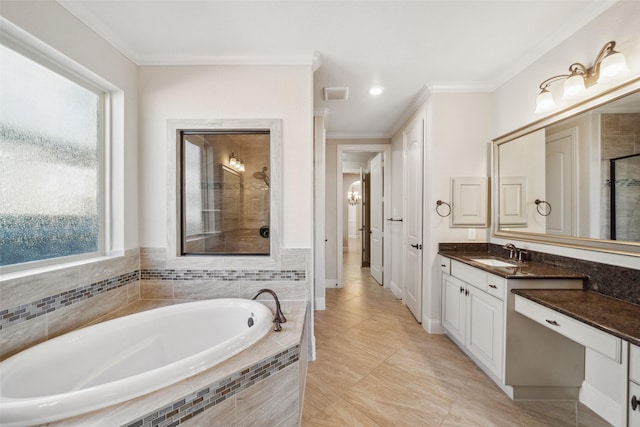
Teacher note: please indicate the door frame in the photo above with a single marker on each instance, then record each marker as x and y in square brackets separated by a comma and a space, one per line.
[386, 235]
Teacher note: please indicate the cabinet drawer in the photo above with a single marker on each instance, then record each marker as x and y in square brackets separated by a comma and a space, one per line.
[496, 286]
[471, 275]
[445, 265]
[634, 364]
[588, 336]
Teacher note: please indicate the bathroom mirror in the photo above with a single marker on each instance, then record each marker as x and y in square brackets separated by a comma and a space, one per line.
[573, 179]
[225, 200]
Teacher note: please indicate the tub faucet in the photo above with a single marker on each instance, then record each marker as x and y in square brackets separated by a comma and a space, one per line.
[279, 316]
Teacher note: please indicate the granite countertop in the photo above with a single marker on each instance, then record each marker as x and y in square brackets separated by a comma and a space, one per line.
[522, 270]
[611, 315]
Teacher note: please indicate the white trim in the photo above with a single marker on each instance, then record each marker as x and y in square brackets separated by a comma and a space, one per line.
[320, 303]
[461, 87]
[331, 283]
[601, 404]
[414, 107]
[397, 290]
[433, 326]
[373, 148]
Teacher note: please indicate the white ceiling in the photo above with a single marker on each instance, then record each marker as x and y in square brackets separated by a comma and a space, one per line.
[408, 47]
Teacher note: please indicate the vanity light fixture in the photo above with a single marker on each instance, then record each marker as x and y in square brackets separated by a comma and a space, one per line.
[608, 66]
[236, 163]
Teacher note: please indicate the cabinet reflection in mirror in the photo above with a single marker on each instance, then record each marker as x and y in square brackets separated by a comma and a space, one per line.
[225, 192]
[578, 177]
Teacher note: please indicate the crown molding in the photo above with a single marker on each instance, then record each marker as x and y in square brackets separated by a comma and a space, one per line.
[461, 87]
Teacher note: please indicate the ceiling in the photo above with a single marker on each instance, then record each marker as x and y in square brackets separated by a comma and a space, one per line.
[410, 48]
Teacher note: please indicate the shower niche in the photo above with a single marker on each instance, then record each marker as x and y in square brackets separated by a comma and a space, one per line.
[225, 192]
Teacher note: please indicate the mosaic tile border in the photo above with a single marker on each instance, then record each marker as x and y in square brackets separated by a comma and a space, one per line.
[14, 315]
[223, 275]
[195, 403]
[33, 309]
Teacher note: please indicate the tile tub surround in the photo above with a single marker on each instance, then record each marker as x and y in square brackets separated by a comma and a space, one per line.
[42, 305]
[259, 386]
[618, 282]
[242, 278]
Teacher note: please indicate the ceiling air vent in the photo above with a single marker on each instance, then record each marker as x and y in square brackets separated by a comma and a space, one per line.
[336, 93]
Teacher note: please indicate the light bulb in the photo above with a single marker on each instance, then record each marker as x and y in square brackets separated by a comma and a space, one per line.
[612, 66]
[544, 101]
[573, 87]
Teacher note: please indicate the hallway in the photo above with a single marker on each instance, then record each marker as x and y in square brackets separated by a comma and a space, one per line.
[377, 367]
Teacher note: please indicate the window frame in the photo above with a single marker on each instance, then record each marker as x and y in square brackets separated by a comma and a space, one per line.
[67, 68]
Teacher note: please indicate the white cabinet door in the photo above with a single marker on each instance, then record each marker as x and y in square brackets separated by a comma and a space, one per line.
[483, 328]
[453, 306]
[634, 414]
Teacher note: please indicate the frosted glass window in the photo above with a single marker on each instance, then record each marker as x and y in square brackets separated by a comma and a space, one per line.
[50, 167]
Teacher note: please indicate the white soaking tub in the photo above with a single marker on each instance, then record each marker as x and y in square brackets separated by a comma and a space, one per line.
[121, 359]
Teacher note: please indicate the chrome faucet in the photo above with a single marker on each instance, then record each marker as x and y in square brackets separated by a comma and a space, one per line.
[279, 316]
[512, 250]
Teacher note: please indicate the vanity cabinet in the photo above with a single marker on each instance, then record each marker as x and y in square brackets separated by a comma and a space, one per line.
[520, 356]
[634, 386]
[474, 318]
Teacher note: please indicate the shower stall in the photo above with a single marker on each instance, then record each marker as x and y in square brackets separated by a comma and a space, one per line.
[625, 198]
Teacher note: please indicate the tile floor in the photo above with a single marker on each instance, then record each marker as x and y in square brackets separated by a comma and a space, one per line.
[376, 366]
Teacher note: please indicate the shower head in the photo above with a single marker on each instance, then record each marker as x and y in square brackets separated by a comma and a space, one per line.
[263, 176]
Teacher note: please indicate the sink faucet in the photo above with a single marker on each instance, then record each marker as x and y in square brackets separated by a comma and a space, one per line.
[512, 250]
[279, 316]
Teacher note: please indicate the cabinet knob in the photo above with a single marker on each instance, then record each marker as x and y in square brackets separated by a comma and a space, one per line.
[493, 286]
[461, 289]
[634, 403]
[443, 265]
[466, 292]
[552, 322]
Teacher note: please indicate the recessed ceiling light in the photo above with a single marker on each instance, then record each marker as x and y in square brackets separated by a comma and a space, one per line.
[376, 90]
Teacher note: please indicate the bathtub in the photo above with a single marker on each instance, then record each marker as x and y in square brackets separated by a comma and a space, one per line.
[121, 359]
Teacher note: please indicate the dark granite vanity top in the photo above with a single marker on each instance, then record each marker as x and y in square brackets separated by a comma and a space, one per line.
[522, 270]
[614, 316]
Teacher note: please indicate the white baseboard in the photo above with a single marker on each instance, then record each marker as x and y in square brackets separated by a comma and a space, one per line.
[312, 353]
[433, 326]
[397, 290]
[601, 404]
[331, 283]
[320, 304]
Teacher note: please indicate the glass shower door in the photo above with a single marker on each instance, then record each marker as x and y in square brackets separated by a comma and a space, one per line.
[625, 198]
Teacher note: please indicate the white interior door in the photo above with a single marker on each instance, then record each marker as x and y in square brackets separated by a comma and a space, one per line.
[559, 184]
[413, 145]
[376, 221]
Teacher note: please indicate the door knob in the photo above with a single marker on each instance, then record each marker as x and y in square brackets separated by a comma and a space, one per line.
[415, 246]
[634, 403]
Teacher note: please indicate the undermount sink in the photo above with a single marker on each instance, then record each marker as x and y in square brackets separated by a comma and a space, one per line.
[493, 262]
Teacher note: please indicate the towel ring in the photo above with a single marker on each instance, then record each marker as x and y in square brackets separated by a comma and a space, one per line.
[546, 211]
[440, 203]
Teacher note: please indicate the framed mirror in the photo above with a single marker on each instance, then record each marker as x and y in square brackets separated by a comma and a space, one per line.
[573, 179]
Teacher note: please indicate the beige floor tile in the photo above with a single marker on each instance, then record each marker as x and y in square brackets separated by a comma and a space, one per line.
[376, 366]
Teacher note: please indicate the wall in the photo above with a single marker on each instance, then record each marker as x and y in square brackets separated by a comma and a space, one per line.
[451, 150]
[43, 303]
[514, 104]
[620, 23]
[217, 94]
